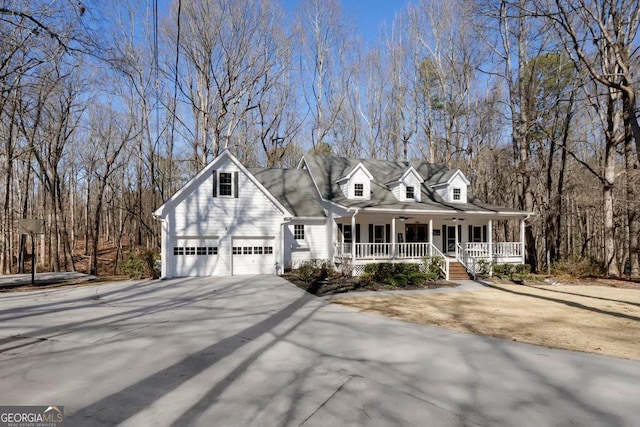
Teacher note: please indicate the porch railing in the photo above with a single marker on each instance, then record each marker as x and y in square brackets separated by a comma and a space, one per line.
[494, 250]
[420, 250]
[388, 251]
[469, 261]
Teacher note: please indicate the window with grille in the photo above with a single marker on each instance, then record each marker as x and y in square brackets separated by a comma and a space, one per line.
[456, 194]
[358, 190]
[298, 231]
[410, 193]
[225, 184]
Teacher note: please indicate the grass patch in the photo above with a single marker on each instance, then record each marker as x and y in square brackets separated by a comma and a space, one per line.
[594, 319]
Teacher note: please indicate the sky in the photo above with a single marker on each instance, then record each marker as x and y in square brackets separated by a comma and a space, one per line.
[368, 15]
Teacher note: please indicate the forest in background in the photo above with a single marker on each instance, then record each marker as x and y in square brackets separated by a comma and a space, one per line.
[108, 107]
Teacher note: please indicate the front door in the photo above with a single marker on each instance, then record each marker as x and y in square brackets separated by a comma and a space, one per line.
[378, 233]
[450, 239]
[416, 233]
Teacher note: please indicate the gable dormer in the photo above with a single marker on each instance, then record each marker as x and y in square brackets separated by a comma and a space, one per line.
[357, 183]
[407, 187]
[453, 188]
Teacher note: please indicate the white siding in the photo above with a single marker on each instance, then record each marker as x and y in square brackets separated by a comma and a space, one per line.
[443, 192]
[314, 246]
[412, 181]
[399, 190]
[252, 214]
[358, 177]
[458, 182]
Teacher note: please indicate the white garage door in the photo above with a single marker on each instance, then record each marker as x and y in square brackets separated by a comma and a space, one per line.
[195, 257]
[253, 256]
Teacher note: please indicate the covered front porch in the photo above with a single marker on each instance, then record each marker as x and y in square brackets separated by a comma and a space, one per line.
[369, 237]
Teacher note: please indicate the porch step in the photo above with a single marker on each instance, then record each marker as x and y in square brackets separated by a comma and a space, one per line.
[457, 271]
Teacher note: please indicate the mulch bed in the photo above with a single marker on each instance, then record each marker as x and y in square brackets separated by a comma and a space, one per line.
[342, 284]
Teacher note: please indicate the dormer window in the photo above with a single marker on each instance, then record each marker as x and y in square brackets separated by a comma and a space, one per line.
[457, 194]
[358, 190]
[410, 193]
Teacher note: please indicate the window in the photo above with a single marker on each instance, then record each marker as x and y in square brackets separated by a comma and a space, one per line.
[257, 250]
[358, 190]
[246, 250]
[410, 194]
[225, 184]
[456, 194]
[237, 250]
[268, 250]
[200, 250]
[298, 231]
[477, 234]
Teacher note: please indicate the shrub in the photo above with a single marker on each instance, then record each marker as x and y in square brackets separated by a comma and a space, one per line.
[365, 279]
[504, 270]
[384, 271]
[315, 269]
[398, 281]
[578, 268]
[421, 278]
[141, 263]
[433, 265]
[520, 271]
[484, 267]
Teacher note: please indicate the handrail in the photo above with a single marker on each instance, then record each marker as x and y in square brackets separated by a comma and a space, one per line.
[435, 252]
[467, 260]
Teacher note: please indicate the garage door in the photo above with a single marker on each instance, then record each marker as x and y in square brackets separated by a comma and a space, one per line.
[195, 257]
[253, 256]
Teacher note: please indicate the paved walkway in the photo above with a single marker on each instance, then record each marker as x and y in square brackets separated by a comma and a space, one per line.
[256, 350]
[43, 279]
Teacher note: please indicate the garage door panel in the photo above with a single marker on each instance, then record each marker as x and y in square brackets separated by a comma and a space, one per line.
[253, 256]
[195, 257]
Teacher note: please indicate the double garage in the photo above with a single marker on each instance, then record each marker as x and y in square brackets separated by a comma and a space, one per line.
[212, 257]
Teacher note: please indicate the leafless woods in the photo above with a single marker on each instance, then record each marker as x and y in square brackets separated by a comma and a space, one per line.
[106, 108]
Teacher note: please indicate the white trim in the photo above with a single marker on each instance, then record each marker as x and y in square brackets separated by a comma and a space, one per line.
[410, 169]
[354, 170]
[458, 172]
[173, 200]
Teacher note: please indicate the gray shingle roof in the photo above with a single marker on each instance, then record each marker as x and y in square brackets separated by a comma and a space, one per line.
[327, 170]
[293, 188]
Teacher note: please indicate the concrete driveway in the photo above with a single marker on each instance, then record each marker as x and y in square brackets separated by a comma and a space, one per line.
[258, 351]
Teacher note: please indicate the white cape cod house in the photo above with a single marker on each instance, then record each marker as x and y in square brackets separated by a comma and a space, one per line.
[232, 220]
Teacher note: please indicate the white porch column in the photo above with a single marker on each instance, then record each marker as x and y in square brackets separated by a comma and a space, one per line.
[490, 238]
[393, 237]
[522, 238]
[430, 236]
[353, 237]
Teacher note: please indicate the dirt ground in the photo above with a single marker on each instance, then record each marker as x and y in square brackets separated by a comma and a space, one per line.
[595, 319]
